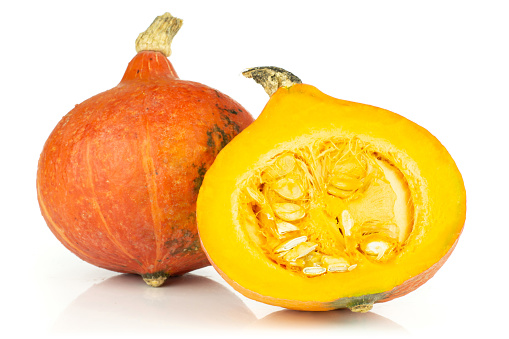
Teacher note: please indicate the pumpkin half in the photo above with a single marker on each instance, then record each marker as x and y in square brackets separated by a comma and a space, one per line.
[323, 203]
[119, 175]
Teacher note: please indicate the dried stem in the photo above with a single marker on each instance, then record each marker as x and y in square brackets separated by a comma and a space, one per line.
[155, 279]
[159, 35]
[271, 78]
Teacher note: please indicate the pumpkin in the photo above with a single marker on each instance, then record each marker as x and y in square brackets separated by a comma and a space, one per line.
[323, 203]
[118, 177]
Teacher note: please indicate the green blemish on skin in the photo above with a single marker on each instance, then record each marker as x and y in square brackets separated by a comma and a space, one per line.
[357, 304]
[185, 243]
[217, 133]
[199, 179]
[231, 123]
[229, 110]
[210, 140]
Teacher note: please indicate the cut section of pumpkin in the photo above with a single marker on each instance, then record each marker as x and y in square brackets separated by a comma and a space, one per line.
[323, 203]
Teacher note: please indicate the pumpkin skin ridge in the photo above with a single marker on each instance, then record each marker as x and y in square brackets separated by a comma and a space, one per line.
[252, 137]
[97, 207]
[182, 249]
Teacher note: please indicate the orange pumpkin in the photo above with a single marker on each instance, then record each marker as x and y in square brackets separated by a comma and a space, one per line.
[119, 175]
[323, 203]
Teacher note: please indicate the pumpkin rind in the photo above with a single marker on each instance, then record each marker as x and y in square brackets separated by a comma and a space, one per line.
[301, 113]
[119, 175]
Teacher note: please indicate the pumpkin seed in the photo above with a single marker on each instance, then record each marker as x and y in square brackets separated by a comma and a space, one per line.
[313, 259]
[334, 264]
[339, 192]
[281, 167]
[256, 195]
[337, 268]
[376, 248]
[314, 271]
[288, 211]
[299, 263]
[352, 167]
[347, 222]
[288, 245]
[284, 227]
[345, 183]
[299, 251]
[288, 188]
[330, 260]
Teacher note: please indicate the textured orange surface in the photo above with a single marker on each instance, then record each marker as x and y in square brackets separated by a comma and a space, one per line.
[119, 175]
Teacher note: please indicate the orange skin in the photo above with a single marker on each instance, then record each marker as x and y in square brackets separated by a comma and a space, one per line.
[119, 175]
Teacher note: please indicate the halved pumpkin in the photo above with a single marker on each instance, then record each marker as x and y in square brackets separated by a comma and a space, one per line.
[323, 203]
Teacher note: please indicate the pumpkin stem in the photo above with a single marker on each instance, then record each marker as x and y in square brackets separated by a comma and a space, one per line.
[155, 279]
[271, 78]
[159, 35]
[361, 308]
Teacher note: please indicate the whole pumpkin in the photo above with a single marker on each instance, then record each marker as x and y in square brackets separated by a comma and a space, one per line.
[323, 203]
[119, 175]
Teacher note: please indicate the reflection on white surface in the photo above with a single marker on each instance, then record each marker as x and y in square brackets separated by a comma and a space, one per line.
[125, 304]
[338, 320]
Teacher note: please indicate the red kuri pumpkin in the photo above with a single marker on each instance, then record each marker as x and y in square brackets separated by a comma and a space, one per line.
[119, 175]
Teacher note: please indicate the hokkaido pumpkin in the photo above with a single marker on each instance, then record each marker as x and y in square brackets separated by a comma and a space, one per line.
[323, 203]
[119, 175]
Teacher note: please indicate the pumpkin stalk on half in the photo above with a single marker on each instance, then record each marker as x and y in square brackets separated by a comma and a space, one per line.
[323, 203]
[119, 175]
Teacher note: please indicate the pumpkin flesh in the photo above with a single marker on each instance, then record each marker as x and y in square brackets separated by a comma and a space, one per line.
[422, 173]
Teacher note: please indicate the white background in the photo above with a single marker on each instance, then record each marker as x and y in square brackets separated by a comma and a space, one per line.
[442, 64]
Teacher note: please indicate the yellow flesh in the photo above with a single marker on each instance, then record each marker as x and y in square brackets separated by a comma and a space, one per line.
[316, 209]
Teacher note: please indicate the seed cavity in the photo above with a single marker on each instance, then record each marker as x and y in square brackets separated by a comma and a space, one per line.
[318, 209]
